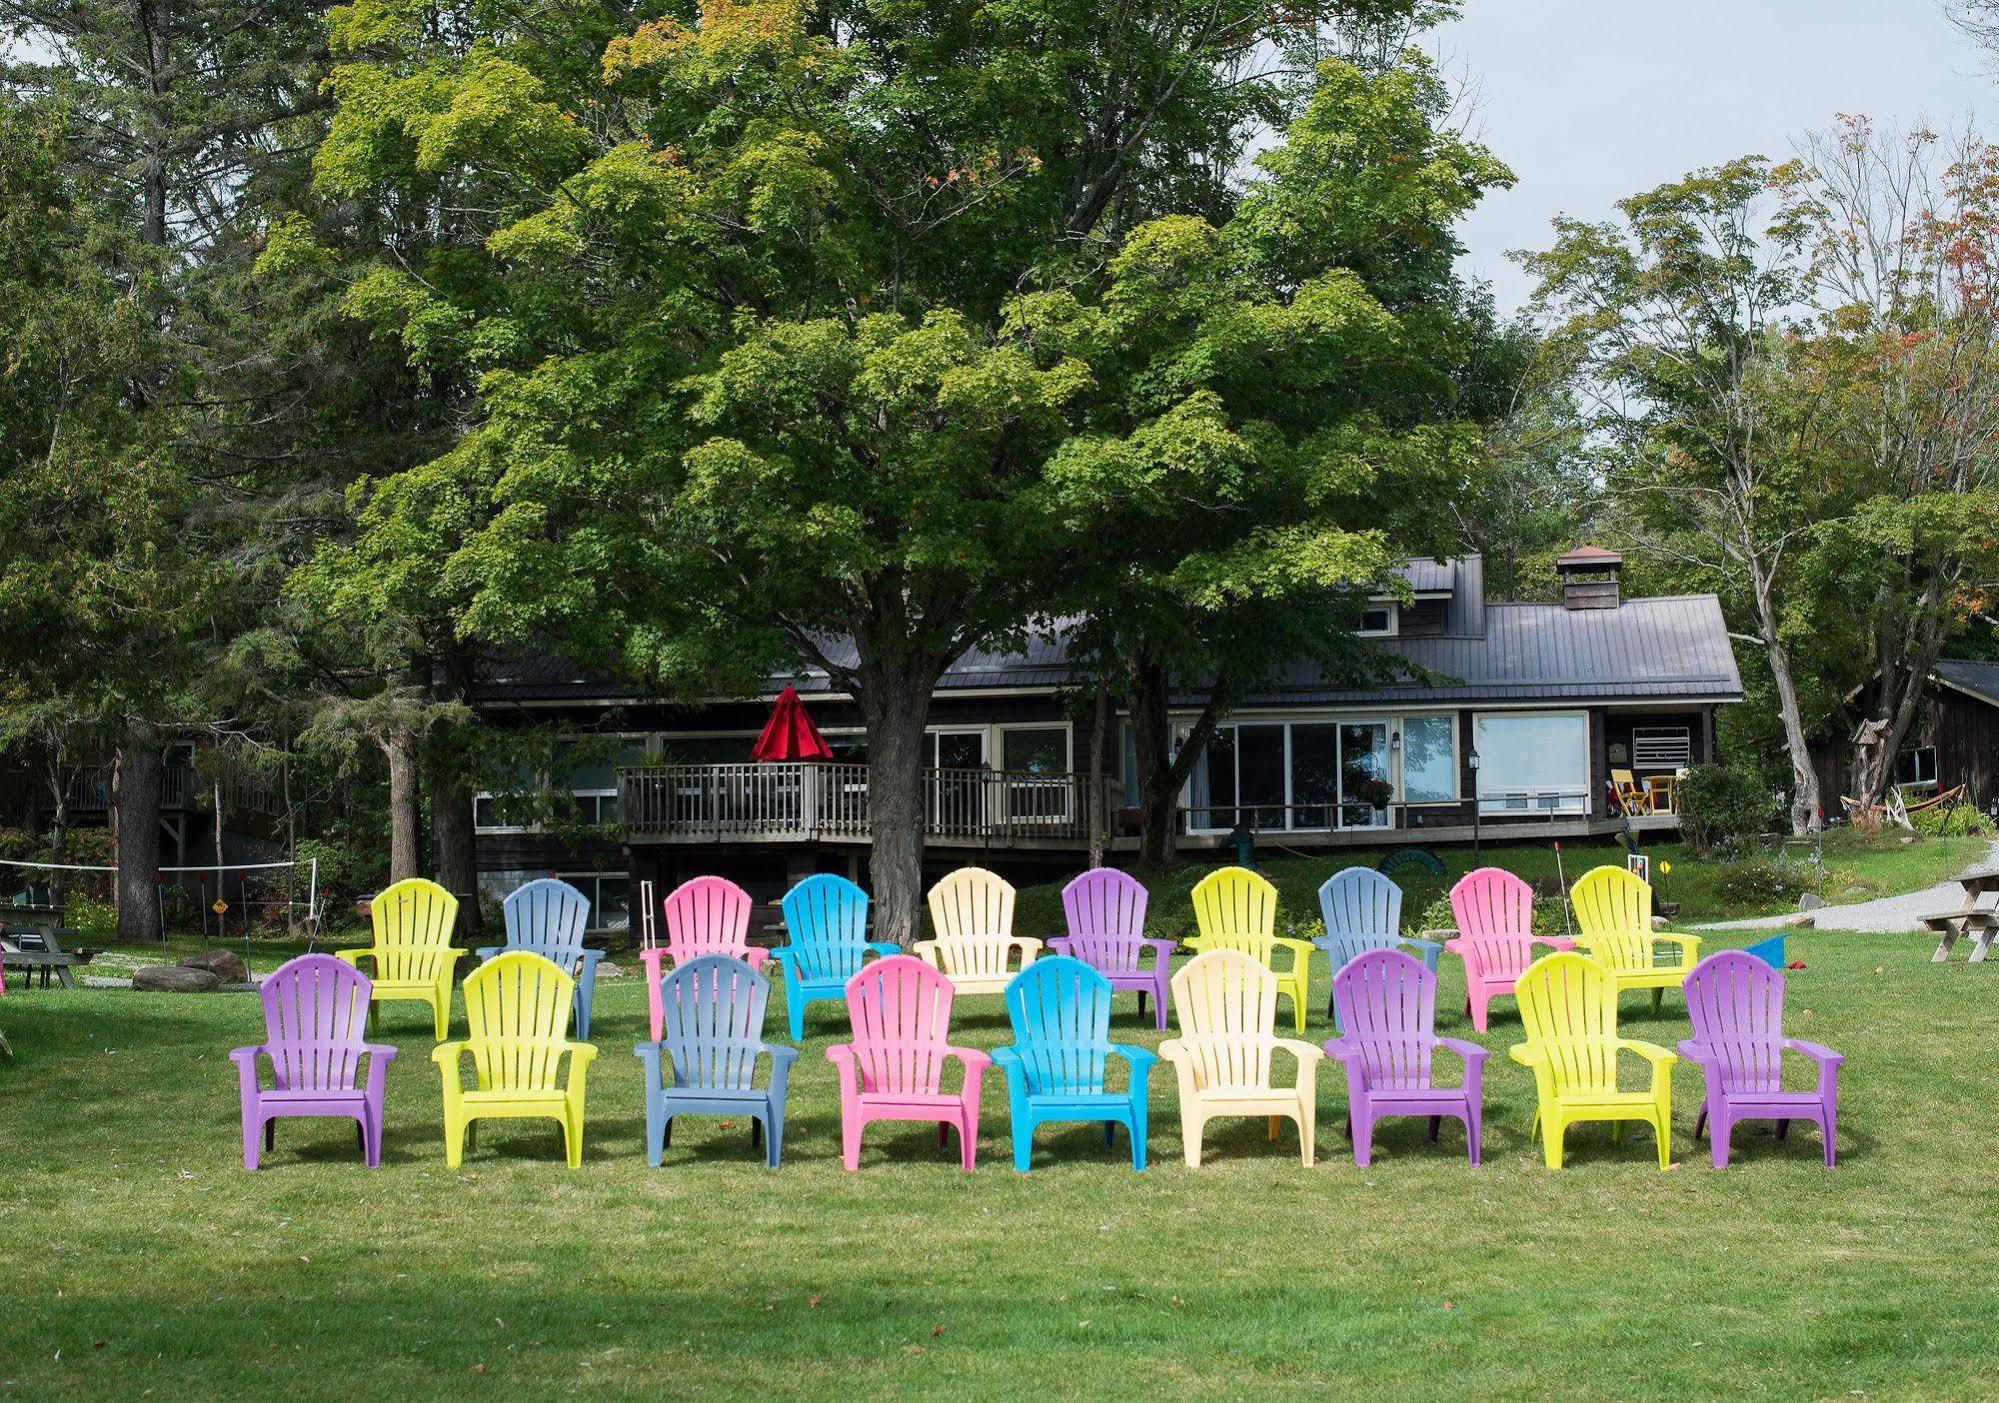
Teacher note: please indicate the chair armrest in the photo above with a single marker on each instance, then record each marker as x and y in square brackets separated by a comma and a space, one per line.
[1470, 1051]
[381, 1050]
[1305, 1052]
[1172, 1050]
[1457, 946]
[487, 952]
[782, 1058]
[1159, 945]
[1137, 1056]
[1059, 943]
[975, 1060]
[590, 959]
[1553, 942]
[1661, 1060]
[884, 948]
[1688, 943]
[354, 957]
[451, 958]
[1418, 943]
[926, 951]
[581, 1055]
[1339, 1048]
[1301, 951]
[650, 1056]
[1028, 946]
[1006, 1057]
[1197, 943]
[247, 1056]
[1818, 1052]
[1527, 1054]
[841, 1055]
[447, 1056]
[1698, 1053]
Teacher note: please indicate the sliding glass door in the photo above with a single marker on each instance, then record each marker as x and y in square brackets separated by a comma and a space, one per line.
[1364, 785]
[1292, 776]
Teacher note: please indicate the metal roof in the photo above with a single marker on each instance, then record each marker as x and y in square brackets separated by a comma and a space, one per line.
[1977, 679]
[1674, 647]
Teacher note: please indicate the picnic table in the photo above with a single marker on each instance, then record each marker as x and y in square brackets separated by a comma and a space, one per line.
[39, 950]
[1977, 918]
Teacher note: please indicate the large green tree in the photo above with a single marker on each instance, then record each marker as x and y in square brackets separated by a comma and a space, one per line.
[793, 325]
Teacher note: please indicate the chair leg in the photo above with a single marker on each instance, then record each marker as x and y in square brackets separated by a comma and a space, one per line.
[371, 1140]
[1552, 1146]
[1308, 1124]
[968, 1146]
[271, 1133]
[454, 1142]
[1190, 1140]
[850, 1141]
[252, 1134]
[1023, 1145]
[1720, 1133]
[1826, 1123]
[943, 1133]
[756, 1133]
[1662, 1130]
[1783, 1129]
[774, 1140]
[1137, 1129]
[361, 1134]
[1700, 1121]
[1110, 1133]
[1141, 1003]
[1435, 1123]
[1274, 1120]
[572, 1136]
[1472, 1127]
[441, 1015]
[1657, 994]
[1360, 1129]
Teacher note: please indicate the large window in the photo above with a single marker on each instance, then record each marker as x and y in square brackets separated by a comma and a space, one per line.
[1429, 759]
[1533, 762]
[1917, 768]
[1278, 775]
[1026, 754]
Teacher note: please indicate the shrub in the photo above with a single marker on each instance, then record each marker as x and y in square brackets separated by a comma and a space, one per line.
[1720, 803]
[1438, 916]
[1953, 821]
[1762, 881]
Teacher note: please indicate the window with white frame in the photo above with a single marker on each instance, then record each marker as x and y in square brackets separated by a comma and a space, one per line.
[1379, 620]
[1916, 768]
[1430, 759]
[1532, 762]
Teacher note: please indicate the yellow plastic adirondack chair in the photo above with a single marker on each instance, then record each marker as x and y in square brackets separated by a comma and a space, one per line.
[517, 1008]
[1226, 1002]
[971, 912]
[1237, 910]
[1568, 1004]
[1614, 927]
[412, 955]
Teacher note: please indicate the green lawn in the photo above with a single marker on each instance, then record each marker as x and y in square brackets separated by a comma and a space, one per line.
[140, 1260]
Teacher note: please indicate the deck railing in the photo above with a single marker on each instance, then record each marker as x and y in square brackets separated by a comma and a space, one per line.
[796, 800]
[87, 788]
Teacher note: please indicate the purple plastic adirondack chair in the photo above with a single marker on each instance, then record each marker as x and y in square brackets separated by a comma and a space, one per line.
[1736, 1002]
[1105, 910]
[1387, 1004]
[315, 1013]
[893, 1069]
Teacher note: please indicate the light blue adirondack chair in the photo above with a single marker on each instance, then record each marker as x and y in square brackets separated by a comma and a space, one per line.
[547, 917]
[1055, 1068]
[827, 919]
[711, 1040]
[1363, 911]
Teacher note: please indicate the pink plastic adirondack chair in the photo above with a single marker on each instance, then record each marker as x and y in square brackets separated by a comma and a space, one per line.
[1494, 911]
[1105, 910]
[315, 1022]
[1736, 1004]
[900, 1008]
[704, 916]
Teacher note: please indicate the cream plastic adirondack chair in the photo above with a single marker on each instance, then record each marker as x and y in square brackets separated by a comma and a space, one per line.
[517, 1008]
[1226, 1002]
[1568, 1004]
[1237, 910]
[1614, 927]
[971, 912]
[412, 955]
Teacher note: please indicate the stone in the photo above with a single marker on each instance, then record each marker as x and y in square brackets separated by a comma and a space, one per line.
[1659, 923]
[225, 965]
[607, 970]
[173, 979]
[1810, 901]
[1801, 922]
[1440, 936]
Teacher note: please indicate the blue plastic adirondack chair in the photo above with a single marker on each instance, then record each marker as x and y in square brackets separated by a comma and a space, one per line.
[547, 917]
[827, 919]
[1363, 911]
[712, 1036]
[1061, 1012]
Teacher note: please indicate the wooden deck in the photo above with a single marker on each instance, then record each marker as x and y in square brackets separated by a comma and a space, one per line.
[827, 804]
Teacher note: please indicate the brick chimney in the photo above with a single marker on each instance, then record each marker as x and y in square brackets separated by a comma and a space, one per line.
[1589, 577]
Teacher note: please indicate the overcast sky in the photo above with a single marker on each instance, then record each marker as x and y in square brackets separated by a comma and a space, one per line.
[1592, 100]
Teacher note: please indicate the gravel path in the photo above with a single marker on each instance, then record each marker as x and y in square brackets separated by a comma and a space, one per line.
[1881, 915]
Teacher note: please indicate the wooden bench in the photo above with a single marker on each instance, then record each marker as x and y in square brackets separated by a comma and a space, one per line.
[1979, 922]
[39, 951]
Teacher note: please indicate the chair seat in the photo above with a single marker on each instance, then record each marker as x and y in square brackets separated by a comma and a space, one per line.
[1412, 1095]
[1084, 1104]
[1775, 1103]
[405, 988]
[883, 1103]
[293, 1095]
[1251, 1100]
[522, 1098]
[966, 984]
[1581, 1107]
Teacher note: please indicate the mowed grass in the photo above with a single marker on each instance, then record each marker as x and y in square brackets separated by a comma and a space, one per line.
[141, 1260]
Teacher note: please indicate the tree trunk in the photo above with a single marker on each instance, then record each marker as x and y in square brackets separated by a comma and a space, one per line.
[1099, 800]
[895, 705]
[451, 804]
[1805, 807]
[1904, 671]
[1161, 773]
[137, 785]
[405, 809]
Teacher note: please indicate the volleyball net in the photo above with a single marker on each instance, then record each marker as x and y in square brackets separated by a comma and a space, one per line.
[227, 898]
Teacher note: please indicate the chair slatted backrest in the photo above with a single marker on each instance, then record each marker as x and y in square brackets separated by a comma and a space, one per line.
[549, 917]
[316, 1022]
[413, 920]
[900, 1010]
[517, 1008]
[826, 917]
[1736, 1004]
[1387, 1003]
[1234, 901]
[974, 956]
[971, 902]
[1568, 1005]
[712, 1009]
[1105, 913]
[1061, 1014]
[1494, 912]
[1226, 1002]
[707, 916]
[1363, 907]
[1614, 916]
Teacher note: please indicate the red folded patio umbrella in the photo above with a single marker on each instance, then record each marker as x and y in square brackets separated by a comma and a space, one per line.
[790, 734]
